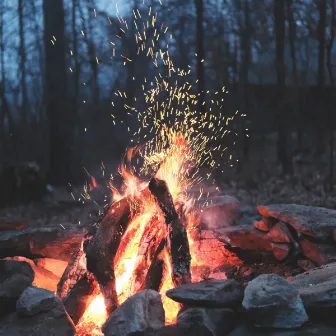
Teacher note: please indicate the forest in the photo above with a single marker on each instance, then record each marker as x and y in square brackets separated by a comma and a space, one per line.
[61, 63]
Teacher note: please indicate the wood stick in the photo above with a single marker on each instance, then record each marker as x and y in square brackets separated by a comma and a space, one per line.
[102, 248]
[80, 297]
[178, 245]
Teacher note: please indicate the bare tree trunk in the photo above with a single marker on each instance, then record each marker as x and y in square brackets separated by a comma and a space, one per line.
[245, 66]
[22, 53]
[322, 6]
[200, 55]
[332, 83]
[292, 38]
[282, 146]
[59, 115]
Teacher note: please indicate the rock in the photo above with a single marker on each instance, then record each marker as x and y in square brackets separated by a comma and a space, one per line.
[53, 265]
[15, 277]
[218, 275]
[312, 221]
[264, 224]
[218, 212]
[229, 270]
[12, 225]
[245, 237]
[198, 321]
[306, 265]
[309, 329]
[272, 302]
[209, 293]
[35, 300]
[140, 314]
[54, 322]
[281, 251]
[319, 253]
[317, 289]
[246, 272]
[209, 250]
[280, 233]
[45, 241]
[42, 277]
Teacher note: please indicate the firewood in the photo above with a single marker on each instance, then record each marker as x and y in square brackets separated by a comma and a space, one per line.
[102, 248]
[178, 245]
[74, 271]
[148, 247]
[80, 297]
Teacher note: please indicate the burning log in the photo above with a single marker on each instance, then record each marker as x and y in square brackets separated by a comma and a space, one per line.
[80, 297]
[102, 248]
[75, 270]
[178, 245]
[148, 247]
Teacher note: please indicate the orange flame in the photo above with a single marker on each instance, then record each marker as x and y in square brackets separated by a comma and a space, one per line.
[172, 161]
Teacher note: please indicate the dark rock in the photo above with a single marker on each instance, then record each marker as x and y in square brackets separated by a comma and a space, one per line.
[42, 277]
[280, 233]
[264, 224]
[306, 265]
[309, 329]
[35, 300]
[197, 321]
[140, 314]
[229, 270]
[317, 289]
[54, 322]
[245, 237]
[45, 241]
[209, 293]
[15, 277]
[312, 221]
[246, 272]
[210, 250]
[218, 212]
[281, 251]
[272, 302]
[319, 253]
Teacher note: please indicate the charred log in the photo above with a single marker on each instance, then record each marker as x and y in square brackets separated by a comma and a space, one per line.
[75, 270]
[148, 247]
[178, 245]
[102, 248]
[80, 297]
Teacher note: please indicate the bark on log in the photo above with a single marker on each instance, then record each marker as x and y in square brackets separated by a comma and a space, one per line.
[80, 297]
[75, 270]
[178, 245]
[102, 248]
[153, 236]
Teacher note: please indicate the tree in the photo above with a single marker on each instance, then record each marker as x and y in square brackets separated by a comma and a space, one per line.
[60, 118]
[200, 55]
[282, 147]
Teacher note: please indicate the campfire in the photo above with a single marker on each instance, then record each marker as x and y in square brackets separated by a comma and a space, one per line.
[147, 238]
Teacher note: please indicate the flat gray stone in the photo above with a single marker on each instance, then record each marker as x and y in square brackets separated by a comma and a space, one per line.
[140, 314]
[312, 221]
[206, 321]
[15, 277]
[54, 322]
[272, 302]
[317, 289]
[34, 300]
[209, 293]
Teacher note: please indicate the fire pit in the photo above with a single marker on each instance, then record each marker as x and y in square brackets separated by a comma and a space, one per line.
[148, 238]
